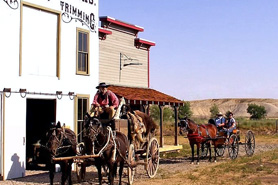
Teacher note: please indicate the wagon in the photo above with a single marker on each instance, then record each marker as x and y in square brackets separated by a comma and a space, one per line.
[147, 153]
[232, 144]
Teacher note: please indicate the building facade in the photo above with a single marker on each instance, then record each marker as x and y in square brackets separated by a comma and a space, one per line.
[49, 58]
[123, 57]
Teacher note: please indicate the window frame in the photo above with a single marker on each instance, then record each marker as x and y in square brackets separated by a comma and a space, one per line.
[78, 72]
[76, 120]
[27, 4]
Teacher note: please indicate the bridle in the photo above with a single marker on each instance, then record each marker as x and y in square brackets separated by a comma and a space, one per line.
[185, 126]
[59, 142]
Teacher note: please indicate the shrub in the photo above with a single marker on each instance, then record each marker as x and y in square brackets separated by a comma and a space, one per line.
[256, 111]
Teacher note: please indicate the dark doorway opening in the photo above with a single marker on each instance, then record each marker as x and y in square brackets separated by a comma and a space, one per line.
[40, 114]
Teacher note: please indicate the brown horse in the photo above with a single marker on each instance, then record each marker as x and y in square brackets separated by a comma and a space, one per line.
[199, 134]
[111, 146]
[61, 142]
[150, 125]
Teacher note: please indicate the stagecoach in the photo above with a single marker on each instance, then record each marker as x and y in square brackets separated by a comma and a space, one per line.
[145, 153]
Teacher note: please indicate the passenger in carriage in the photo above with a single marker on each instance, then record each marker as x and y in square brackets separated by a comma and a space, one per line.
[220, 121]
[105, 102]
[230, 125]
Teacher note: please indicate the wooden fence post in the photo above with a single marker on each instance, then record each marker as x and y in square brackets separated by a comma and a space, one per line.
[276, 126]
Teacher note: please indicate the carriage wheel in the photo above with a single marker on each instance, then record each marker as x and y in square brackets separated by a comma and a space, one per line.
[220, 150]
[131, 162]
[204, 150]
[152, 157]
[233, 146]
[80, 171]
[249, 143]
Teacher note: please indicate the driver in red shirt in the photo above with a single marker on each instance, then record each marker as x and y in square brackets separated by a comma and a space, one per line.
[105, 101]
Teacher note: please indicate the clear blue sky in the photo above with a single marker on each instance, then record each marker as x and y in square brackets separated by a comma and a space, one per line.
[207, 48]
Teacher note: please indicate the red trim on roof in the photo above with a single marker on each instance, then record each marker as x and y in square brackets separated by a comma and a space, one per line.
[101, 30]
[142, 41]
[136, 95]
[118, 22]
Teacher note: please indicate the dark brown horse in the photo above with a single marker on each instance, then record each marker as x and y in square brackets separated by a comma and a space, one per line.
[111, 146]
[199, 134]
[61, 142]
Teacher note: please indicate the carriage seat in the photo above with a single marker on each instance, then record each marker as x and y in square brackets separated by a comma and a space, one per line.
[118, 111]
[236, 131]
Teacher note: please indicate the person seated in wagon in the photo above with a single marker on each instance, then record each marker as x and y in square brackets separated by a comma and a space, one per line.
[230, 125]
[105, 102]
[220, 121]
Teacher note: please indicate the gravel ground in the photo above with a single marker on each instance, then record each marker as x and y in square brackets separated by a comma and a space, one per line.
[166, 167]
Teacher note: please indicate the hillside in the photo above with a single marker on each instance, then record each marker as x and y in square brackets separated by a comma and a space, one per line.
[200, 108]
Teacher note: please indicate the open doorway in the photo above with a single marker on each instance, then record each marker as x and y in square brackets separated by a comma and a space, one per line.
[40, 114]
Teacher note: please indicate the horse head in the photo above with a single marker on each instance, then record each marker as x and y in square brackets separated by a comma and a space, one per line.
[183, 124]
[54, 138]
[92, 127]
[124, 110]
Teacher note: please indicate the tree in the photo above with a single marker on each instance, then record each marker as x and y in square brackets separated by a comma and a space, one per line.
[256, 111]
[168, 113]
[213, 110]
[185, 111]
[154, 112]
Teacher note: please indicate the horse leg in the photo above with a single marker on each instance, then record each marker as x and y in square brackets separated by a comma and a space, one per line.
[64, 173]
[209, 148]
[198, 153]
[98, 165]
[214, 145]
[192, 151]
[51, 172]
[111, 167]
[121, 172]
[83, 171]
[69, 173]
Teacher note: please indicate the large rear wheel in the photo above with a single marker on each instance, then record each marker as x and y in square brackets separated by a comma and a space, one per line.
[249, 143]
[152, 157]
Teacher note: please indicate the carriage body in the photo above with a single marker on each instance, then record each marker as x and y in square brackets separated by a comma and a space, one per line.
[232, 144]
[140, 153]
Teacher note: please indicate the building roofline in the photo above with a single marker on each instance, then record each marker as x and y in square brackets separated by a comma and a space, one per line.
[121, 23]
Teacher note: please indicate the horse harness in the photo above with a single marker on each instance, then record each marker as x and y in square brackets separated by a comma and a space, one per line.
[60, 141]
[197, 132]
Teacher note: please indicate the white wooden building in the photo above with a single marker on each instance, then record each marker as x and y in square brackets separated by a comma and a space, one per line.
[49, 68]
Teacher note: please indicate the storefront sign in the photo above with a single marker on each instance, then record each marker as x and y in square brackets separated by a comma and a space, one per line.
[13, 4]
[71, 12]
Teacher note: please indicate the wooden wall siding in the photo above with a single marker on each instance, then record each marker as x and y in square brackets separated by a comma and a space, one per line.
[109, 61]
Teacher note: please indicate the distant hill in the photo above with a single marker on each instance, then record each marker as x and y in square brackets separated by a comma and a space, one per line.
[200, 108]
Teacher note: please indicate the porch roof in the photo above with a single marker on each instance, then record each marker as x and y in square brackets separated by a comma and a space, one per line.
[137, 95]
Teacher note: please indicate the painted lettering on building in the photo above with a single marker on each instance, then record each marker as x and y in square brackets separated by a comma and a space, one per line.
[13, 4]
[71, 13]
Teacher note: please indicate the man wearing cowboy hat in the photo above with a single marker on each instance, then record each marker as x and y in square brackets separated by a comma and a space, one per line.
[105, 101]
[219, 120]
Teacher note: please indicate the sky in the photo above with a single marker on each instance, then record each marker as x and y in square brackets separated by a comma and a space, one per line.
[207, 49]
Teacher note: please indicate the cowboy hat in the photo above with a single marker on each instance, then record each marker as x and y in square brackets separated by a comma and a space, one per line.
[219, 114]
[102, 84]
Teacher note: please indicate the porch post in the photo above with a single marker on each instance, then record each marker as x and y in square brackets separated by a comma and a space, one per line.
[161, 125]
[176, 125]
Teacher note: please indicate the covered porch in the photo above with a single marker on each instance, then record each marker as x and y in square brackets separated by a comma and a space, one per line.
[141, 99]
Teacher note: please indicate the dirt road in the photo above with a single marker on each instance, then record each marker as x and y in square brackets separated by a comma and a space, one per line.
[170, 172]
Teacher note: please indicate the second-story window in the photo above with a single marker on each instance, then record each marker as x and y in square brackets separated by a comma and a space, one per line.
[82, 52]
